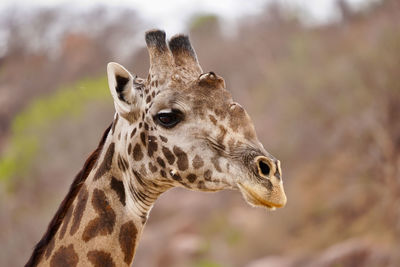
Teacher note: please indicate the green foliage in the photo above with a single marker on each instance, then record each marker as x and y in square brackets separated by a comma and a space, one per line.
[231, 235]
[199, 21]
[30, 123]
[207, 263]
[220, 226]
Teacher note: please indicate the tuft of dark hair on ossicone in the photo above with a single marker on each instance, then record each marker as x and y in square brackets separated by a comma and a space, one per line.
[156, 38]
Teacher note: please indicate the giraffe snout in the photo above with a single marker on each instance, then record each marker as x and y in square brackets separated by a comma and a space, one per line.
[267, 190]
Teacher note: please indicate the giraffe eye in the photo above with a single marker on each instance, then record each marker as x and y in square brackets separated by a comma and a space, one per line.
[168, 119]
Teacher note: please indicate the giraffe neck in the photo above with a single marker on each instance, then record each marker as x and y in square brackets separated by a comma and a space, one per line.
[105, 221]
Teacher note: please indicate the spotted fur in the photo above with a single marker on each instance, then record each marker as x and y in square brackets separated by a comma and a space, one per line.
[55, 223]
[104, 223]
[66, 222]
[118, 187]
[182, 161]
[107, 161]
[65, 257]
[137, 152]
[207, 142]
[127, 240]
[100, 258]
[79, 210]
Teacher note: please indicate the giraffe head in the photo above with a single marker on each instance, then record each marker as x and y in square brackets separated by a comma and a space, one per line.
[181, 127]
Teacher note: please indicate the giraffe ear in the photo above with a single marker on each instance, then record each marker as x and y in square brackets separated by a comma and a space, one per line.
[121, 83]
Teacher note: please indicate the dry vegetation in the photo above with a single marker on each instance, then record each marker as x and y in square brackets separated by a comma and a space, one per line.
[325, 101]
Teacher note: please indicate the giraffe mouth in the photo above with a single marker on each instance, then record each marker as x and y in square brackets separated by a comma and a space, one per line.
[255, 199]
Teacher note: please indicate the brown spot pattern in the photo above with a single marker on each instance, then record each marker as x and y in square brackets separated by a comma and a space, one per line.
[104, 223]
[143, 138]
[161, 162]
[106, 164]
[152, 145]
[164, 139]
[137, 153]
[71, 195]
[191, 177]
[237, 118]
[220, 113]
[50, 248]
[80, 208]
[100, 258]
[176, 177]
[133, 132]
[64, 257]
[213, 119]
[127, 240]
[168, 155]
[67, 218]
[207, 175]
[222, 135]
[153, 168]
[118, 187]
[183, 161]
[163, 174]
[197, 162]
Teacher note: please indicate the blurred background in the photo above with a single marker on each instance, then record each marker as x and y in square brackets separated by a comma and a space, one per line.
[321, 80]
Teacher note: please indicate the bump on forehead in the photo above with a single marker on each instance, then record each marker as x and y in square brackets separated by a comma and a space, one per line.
[212, 80]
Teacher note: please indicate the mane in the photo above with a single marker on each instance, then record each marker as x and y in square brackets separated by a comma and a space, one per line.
[76, 185]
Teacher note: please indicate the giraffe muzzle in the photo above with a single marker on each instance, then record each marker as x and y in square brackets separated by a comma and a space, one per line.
[267, 190]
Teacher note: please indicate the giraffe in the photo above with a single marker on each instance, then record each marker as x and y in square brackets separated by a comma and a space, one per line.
[178, 128]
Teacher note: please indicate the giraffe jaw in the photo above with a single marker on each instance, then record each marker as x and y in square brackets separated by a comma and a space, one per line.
[253, 196]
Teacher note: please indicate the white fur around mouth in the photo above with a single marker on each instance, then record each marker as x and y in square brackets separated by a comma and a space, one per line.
[252, 198]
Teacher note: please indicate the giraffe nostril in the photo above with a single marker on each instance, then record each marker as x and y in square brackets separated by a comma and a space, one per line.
[263, 167]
